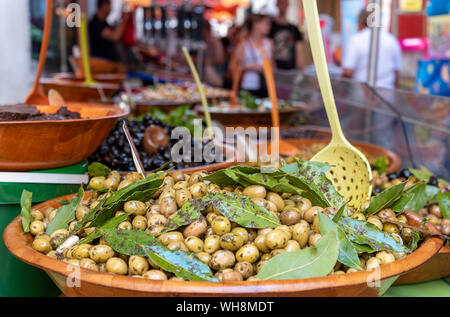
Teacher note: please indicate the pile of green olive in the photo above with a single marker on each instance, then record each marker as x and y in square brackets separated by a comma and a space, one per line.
[233, 253]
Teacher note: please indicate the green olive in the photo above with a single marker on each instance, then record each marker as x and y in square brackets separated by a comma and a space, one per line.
[311, 213]
[88, 264]
[249, 253]
[285, 229]
[182, 196]
[57, 237]
[198, 190]
[221, 225]
[238, 190]
[204, 257]
[276, 199]
[241, 232]
[359, 216]
[81, 251]
[264, 231]
[74, 262]
[372, 263]
[196, 229]
[385, 257]
[68, 253]
[139, 223]
[210, 216]
[245, 268]
[212, 243]
[125, 225]
[435, 210]
[194, 244]
[138, 208]
[266, 257]
[154, 209]
[168, 206]
[386, 214]
[101, 253]
[157, 220]
[290, 216]
[178, 176]
[177, 245]
[304, 205]
[138, 265]
[116, 266]
[169, 237]
[254, 191]
[41, 245]
[260, 242]
[155, 275]
[259, 266]
[168, 181]
[154, 230]
[97, 183]
[275, 252]
[390, 228]
[232, 276]
[276, 239]
[251, 234]
[375, 221]
[314, 238]
[292, 245]
[289, 203]
[212, 188]
[52, 214]
[37, 227]
[167, 192]
[231, 241]
[36, 215]
[433, 219]
[111, 183]
[195, 178]
[402, 219]
[222, 259]
[181, 185]
[81, 211]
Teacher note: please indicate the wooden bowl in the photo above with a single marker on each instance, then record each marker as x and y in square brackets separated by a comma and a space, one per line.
[291, 146]
[238, 118]
[98, 66]
[75, 90]
[437, 267]
[38, 145]
[103, 284]
[114, 78]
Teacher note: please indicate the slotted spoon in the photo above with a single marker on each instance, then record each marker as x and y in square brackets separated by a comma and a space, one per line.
[350, 172]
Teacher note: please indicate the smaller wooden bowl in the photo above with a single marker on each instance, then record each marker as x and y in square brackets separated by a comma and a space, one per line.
[103, 284]
[291, 146]
[74, 90]
[39, 145]
[437, 267]
[238, 118]
[114, 78]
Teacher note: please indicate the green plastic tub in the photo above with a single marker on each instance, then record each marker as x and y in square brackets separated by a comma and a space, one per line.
[16, 277]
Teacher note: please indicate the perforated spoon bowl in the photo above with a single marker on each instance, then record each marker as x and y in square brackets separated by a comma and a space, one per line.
[350, 172]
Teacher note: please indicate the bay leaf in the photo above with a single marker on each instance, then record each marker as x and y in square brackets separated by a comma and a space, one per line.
[385, 198]
[188, 213]
[343, 211]
[243, 210]
[183, 264]
[365, 233]
[109, 224]
[227, 177]
[128, 241]
[422, 175]
[65, 214]
[380, 164]
[305, 263]
[347, 252]
[98, 169]
[271, 183]
[25, 209]
[443, 200]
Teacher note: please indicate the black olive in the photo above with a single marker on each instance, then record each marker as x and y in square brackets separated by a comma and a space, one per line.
[392, 176]
[405, 173]
[377, 190]
[433, 181]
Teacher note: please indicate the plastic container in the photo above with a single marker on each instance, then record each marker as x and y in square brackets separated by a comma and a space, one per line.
[18, 278]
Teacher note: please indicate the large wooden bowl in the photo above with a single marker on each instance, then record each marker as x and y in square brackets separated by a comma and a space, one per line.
[97, 65]
[114, 78]
[75, 90]
[103, 284]
[291, 146]
[38, 145]
[437, 267]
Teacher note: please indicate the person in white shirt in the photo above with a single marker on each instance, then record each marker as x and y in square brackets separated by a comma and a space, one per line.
[356, 58]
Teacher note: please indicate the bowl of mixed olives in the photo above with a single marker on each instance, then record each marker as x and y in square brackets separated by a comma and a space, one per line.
[228, 232]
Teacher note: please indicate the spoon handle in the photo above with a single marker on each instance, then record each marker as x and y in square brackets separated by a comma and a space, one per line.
[136, 158]
[320, 63]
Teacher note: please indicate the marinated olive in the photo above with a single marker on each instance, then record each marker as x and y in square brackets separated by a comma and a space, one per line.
[37, 227]
[41, 245]
[101, 253]
[386, 214]
[194, 244]
[276, 199]
[182, 196]
[231, 241]
[241, 232]
[97, 183]
[300, 234]
[222, 259]
[311, 213]
[155, 275]
[435, 210]
[390, 228]
[88, 264]
[139, 223]
[304, 205]
[178, 176]
[314, 238]
[198, 190]
[232, 276]
[292, 245]
[359, 216]
[212, 243]
[260, 242]
[169, 237]
[385, 257]
[248, 253]
[125, 225]
[373, 263]
[245, 268]
[81, 251]
[116, 266]
[196, 229]
[276, 239]
[137, 207]
[157, 220]
[221, 225]
[177, 245]
[154, 230]
[138, 265]
[204, 257]
[290, 216]
[375, 221]
[36, 215]
[254, 191]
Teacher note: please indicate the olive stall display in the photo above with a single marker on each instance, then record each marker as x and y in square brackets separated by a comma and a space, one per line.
[230, 225]
[152, 139]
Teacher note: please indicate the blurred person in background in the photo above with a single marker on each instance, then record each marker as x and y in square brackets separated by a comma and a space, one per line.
[214, 58]
[247, 57]
[103, 38]
[287, 40]
[356, 58]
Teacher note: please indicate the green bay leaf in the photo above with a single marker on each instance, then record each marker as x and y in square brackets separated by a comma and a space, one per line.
[25, 209]
[128, 241]
[305, 263]
[98, 169]
[65, 214]
[188, 213]
[385, 198]
[242, 210]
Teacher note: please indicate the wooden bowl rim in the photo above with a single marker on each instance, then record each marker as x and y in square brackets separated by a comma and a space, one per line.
[16, 242]
[74, 84]
[394, 158]
[290, 110]
[99, 76]
[118, 113]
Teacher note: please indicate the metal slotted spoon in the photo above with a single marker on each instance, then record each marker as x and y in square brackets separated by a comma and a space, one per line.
[350, 172]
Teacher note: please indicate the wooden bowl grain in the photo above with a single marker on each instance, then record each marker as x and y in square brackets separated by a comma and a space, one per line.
[38, 145]
[103, 284]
